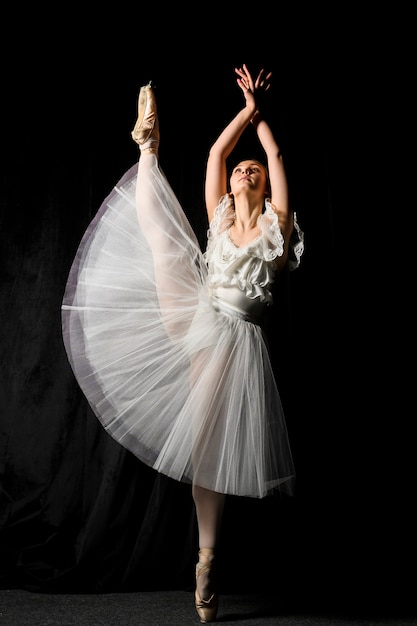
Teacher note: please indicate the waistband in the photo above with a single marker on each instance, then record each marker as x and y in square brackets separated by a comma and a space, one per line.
[233, 311]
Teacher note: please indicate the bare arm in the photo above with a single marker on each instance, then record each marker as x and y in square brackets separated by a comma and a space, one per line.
[216, 171]
[277, 175]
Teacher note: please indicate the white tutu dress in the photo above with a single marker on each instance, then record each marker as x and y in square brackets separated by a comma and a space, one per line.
[166, 342]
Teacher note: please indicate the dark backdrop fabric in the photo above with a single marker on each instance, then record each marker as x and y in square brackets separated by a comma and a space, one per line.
[77, 511]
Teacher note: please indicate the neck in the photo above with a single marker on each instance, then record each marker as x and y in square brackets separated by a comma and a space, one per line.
[247, 214]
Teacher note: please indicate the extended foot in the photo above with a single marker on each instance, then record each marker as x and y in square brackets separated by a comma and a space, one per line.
[146, 130]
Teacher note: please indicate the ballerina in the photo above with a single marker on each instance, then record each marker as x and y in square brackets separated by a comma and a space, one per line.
[166, 341]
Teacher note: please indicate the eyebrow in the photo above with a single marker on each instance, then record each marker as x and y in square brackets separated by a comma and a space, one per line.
[251, 164]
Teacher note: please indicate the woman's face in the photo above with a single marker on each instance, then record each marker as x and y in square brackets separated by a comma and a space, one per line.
[249, 175]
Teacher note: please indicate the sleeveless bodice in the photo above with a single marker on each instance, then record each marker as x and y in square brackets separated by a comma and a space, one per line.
[242, 276]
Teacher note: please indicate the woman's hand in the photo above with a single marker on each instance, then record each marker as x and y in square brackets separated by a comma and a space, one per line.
[251, 90]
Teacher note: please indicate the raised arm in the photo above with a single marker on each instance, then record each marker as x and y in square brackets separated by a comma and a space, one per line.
[277, 175]
[216, 170]
[216, 173]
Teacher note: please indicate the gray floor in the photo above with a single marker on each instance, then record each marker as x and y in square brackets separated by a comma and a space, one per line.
[155, 608]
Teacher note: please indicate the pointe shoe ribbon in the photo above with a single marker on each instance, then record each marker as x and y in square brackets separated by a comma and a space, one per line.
[146, 130]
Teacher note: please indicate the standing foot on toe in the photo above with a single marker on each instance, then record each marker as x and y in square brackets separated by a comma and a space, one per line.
[206, 598]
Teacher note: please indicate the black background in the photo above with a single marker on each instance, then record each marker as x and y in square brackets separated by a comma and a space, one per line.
[80, 513]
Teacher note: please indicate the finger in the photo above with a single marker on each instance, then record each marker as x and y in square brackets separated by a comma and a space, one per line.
[242, 85]
[260, 80]
[242, 77]
[248, 76]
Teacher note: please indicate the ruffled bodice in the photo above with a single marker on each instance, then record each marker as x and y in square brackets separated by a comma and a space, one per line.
[250, 268]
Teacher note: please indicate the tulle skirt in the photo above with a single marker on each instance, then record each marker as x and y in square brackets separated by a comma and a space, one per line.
[180, 379]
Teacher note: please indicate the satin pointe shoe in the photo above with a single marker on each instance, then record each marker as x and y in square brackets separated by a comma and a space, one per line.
[206, 608]
[146, 130]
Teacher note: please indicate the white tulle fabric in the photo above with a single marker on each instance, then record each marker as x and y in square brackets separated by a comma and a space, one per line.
[165, 343]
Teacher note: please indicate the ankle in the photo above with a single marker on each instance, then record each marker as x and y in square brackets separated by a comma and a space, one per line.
[205, 572]
[208, 553]
[149, 147]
